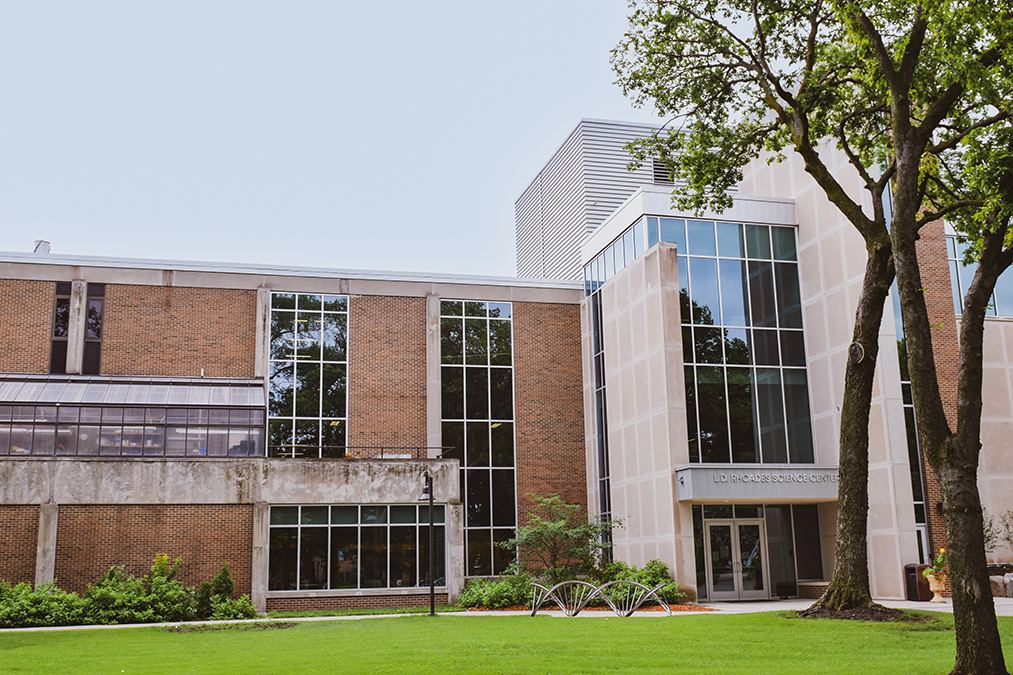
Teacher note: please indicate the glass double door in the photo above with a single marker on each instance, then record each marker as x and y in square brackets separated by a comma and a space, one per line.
[736, 560]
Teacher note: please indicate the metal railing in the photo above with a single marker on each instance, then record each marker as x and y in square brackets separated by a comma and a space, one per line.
[299, 451]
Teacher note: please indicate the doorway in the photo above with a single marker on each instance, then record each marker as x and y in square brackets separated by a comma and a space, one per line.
[736, 555]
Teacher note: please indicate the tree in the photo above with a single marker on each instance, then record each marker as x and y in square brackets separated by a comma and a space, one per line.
[901, 90]
[559, 540]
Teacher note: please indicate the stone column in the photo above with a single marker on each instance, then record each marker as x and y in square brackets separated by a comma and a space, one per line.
[434, 402]
[76, 326]
[45, 554]
[261, 555]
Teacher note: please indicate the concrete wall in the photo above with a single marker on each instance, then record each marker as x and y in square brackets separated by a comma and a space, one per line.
[995, 472]
[644, 378]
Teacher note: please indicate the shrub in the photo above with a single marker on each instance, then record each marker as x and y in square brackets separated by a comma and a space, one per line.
[654, 572]
[507, 591]
[224, 608]
[120, 597]
[22, 606]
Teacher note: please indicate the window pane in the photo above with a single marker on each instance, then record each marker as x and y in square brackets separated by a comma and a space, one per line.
[452, 390]
[373, 515]
[745, 444]
[373, 557]
[475, 309]
[344, 557]
[344, 515]
[502, 444]
[703, 277]
[629, 252]
[792, 348]
[309, 302]
[478, 444]
[175, 440]
[713, 415]
[501, 393]
[403, 514]
[701, 238]
[477, 393]
[758, 241]
[307, 389]
[730, 243]
[314, 515]
[403, 557]
[771, 415]
[335, 303]
[281, 396]
[283, 301]
[154, 440]
[674, 231]
[807, 541]
[652, 232]
[450, 307]
[61, 321]
[479, 553]
[503, 498]
[478, 497]
[453, 440]
[707, 344]
[761, 294]
[691, 428]
[333, 337]
[734, 296]
[501, 310]
[500, 350]
[133, 440]
[789, 302]
[21, 439]
[44, 440]
[66, 440]
[784, 243]
[796, 399]
[306, 440]
[313, 558]
[476, 341]
[333, 392]
[737, 346]
[765, 347]
[439, 556]
[502, 557]
[283, 559]
[452, 340]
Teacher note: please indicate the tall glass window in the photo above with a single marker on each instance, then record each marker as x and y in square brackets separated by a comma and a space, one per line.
[747, 391]
[307, 403]
[352, 546]
[478, 424]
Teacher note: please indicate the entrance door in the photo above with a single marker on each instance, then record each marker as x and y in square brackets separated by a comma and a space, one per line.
[736, 560]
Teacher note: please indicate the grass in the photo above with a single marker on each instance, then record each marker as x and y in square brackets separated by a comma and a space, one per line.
[743, 643]
[287, 614]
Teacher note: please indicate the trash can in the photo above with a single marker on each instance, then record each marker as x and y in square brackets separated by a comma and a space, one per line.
[911, 581]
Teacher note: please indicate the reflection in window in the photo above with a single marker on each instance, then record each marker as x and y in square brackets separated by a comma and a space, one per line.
[354, 547]
[308, 375]
[476, 347]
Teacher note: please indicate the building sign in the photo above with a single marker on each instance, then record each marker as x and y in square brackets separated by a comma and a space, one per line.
[756, 483]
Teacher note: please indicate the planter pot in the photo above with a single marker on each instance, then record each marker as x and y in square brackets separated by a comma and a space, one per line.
[937, 586]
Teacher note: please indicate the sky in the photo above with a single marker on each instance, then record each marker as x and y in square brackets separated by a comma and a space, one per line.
[388, 135]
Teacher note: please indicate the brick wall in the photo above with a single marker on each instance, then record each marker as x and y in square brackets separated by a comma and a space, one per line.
[549, 405]
[166, 330]
[19, 539]
[26, 315]
[386, 371]
[90, 539]
[935, 272]
[354, 601]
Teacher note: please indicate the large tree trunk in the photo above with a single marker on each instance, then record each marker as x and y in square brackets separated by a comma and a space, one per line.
[849, 587]
[954, 457]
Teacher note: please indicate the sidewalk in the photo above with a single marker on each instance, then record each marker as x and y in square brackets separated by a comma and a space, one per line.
[1003, 607]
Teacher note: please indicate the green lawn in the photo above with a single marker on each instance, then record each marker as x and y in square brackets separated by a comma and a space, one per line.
[744, 643]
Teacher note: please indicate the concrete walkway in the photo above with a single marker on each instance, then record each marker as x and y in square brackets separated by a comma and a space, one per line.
[1003, 607]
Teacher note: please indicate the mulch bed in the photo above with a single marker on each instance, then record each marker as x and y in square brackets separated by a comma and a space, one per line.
[202, 628]
[875, 613]
[653, 608]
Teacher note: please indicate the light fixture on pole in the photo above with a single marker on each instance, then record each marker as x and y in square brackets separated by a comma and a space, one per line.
[427, 495]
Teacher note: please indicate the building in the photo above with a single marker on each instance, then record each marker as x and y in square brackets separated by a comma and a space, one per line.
[714, 350]
[681, 372]
[280, 420]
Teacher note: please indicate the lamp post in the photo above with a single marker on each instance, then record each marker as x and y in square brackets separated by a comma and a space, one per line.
[427, 494]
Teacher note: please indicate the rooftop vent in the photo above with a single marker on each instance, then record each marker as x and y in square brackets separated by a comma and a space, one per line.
[661, 174]
[41, 247]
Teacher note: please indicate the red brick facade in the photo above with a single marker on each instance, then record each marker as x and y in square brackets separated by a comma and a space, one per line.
[386, 371]
[354, 602]
[26, 314]
[91, 539]
[935, 273]
[549, 404]
[19, 539]
[167, 330]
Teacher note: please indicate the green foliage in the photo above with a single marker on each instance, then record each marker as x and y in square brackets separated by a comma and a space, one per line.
[989, 531]
[507, 591]
[225, 608]
[22, 606]
[119, 597]
[1006, 528]
[653, 573]
[559, 541]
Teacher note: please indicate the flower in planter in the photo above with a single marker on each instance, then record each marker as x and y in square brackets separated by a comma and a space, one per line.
[937, 570]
